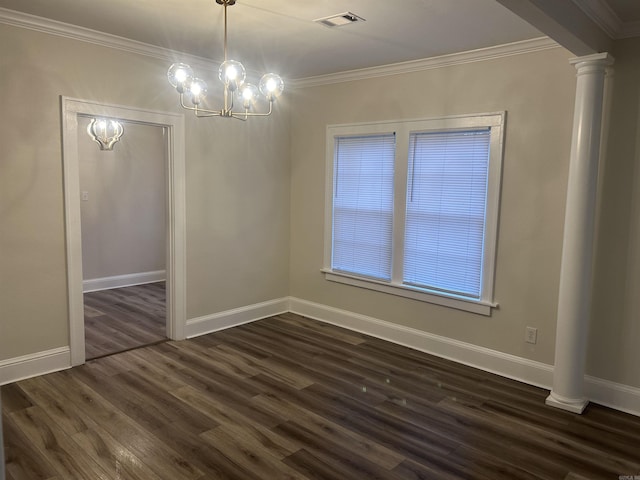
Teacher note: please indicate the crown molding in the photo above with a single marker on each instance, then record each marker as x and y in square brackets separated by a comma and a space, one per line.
[471, 56]
[608, 20]
[603, 15]
[74, 32]
[630, 29]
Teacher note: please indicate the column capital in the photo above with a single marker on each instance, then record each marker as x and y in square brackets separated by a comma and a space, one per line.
[603, 60]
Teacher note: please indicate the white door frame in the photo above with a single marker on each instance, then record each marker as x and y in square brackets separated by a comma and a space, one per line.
[176, 232]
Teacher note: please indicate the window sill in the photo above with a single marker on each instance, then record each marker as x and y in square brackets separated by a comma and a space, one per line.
[474, 306]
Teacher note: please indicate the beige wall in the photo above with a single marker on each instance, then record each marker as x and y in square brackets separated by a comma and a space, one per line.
[614, 348]
[123, 218]
[237, 185]
[537, 91]
[243, 214]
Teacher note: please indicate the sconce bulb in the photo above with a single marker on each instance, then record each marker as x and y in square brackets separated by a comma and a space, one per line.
[105, 132]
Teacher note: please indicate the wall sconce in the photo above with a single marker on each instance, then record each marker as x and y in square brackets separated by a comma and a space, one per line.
[105, 132]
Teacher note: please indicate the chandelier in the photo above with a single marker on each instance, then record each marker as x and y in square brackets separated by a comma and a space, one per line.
[232, 74]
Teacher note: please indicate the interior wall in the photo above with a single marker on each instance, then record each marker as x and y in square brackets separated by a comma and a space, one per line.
[237, 186]
[244, 217]
[615, 324]
[123, 215]
[537, 90]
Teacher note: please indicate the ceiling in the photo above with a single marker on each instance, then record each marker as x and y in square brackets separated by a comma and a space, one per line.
[280, 35]
[629, 10]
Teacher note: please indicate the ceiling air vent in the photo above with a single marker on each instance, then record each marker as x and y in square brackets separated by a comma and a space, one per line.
[340, 19]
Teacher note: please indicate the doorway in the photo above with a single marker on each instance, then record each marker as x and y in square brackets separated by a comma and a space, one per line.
[73, 111]
[123, 203]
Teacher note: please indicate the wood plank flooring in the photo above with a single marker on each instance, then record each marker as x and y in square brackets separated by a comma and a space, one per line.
[120, 319]
[291, 398]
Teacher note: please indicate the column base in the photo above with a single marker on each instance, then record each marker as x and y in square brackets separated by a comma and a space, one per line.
[568, 404]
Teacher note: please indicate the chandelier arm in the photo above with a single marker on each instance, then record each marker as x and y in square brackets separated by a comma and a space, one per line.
[211, 113]
[182, 103]
[198, 111]
[203, 112]
[255, 114]
[246, 115]
[239, 116]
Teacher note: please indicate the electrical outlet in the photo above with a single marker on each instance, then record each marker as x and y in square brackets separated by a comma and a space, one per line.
[531, 335]
[84, 196]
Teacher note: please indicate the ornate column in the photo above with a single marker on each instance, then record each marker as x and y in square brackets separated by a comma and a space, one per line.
[577, 248]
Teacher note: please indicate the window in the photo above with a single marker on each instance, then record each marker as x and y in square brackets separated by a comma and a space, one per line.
[412, 208]
[363, 205]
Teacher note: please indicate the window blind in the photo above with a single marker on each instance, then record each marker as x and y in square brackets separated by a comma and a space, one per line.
[363, 205]
[446, 205]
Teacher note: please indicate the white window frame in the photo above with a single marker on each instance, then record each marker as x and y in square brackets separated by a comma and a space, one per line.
[403, 130]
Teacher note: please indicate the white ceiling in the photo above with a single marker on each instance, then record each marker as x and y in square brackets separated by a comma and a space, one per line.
[627, 10]
[279, 35]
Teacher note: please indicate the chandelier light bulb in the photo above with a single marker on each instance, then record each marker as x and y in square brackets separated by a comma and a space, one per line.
[178, 75]
[271, 86]
[249, 94]
[232, 74]
[197, 89]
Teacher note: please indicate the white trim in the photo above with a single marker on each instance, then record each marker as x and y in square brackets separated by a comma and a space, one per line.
[120, 281]
[40, 363]
[570, 405]
[403, 130]
[611, 394]
[608, 20]
[602, 15]
[479, 55]
[604, 392]
[176, 208]
[604, 58]
[237, 316]
[630, 29]
[474, 306]
[504, 364]
[74, 32]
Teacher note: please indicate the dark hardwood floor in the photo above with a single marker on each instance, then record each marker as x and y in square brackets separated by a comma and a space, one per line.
[291, 398]
[120, 319]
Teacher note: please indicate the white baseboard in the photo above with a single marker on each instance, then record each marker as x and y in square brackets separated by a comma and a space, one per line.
[237, 316]
[119, 281]
[615, 395]
[35, 364]
[611, 394]
[511, 366]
